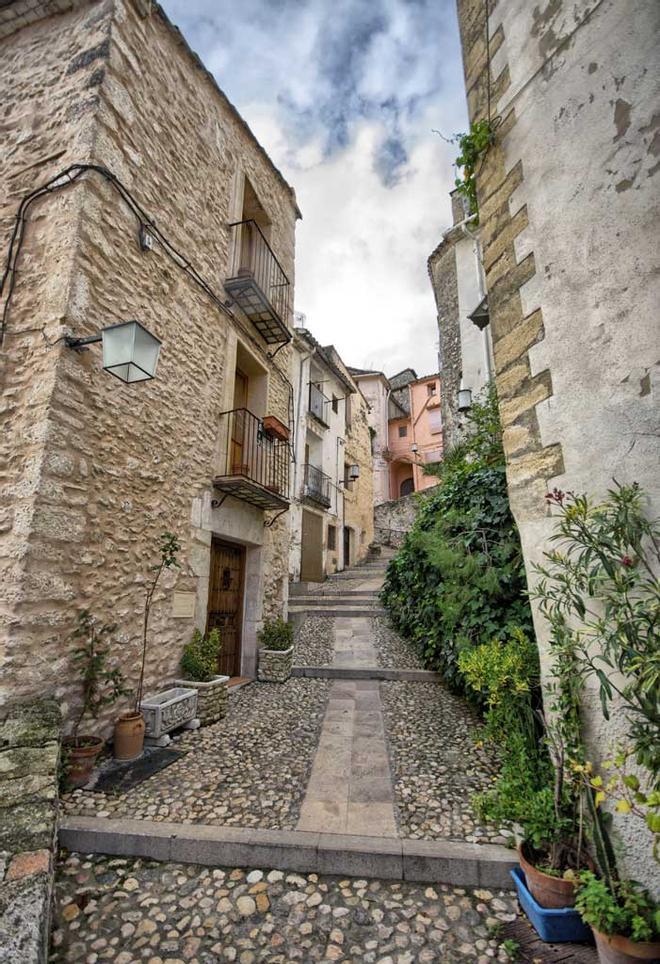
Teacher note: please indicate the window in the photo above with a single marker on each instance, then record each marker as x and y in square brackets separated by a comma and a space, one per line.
[348, 484]
[332, 538]
[348, 414]
[335, 403]
[430, 388]
[435, 421]
[403, 431]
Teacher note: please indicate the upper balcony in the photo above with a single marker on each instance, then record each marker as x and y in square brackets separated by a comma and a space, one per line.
[258, 283]
[255, 466]
[317, 486]
[317, 404]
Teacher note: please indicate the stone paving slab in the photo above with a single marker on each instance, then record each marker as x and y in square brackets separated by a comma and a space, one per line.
[451, 862]
[124, 911]
[350, 788]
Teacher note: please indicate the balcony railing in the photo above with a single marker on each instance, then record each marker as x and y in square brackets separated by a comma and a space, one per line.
[317, 403]
[317, 486]
[258, 283]
[255, 466]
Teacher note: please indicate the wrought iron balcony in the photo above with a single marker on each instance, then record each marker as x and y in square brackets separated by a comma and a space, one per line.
[317, 486]
[255, 465]
[317, 404]
[258, 283]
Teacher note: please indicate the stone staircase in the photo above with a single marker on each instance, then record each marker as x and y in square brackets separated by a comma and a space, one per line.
[351, 593]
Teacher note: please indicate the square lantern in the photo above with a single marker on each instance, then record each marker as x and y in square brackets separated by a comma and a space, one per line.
[130, 352]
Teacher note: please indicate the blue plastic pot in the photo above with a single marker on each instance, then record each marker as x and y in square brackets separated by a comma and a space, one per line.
[554, 926]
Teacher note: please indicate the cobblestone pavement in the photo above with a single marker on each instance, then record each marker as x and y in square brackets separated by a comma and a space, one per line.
[315, 641]
[125, 911]
[436, 762]
[248, 770]
[393, 651]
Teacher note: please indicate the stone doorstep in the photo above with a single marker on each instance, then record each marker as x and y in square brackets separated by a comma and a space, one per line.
[336, 613]
[367, 672]
[449, 862]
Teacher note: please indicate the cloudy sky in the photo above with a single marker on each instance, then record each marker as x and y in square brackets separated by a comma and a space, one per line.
[344, 95]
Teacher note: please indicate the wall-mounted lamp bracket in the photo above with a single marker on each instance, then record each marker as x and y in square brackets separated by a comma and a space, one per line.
[80, 344]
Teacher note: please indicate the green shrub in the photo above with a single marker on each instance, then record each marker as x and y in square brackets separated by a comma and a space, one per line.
[459, 579]
[623, 908]
[276, 634]
[199, 662]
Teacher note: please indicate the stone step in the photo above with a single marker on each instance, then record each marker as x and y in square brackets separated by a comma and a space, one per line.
[390, 858]
[367, 672]
[336, 593]
[333, 599]
[296, 609]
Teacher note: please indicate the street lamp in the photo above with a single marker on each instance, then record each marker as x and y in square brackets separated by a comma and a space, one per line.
[464, 399]
[130, 352]
[354, 473]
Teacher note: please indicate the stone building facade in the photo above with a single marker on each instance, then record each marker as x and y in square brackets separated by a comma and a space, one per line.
[465, 350]
[569, 205]
[92, 469]
[331, 520]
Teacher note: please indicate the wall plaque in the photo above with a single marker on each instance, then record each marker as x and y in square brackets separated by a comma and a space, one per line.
[183, 605]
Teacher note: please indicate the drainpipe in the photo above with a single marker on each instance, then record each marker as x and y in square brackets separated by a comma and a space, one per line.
[296, 464]
[488, 364]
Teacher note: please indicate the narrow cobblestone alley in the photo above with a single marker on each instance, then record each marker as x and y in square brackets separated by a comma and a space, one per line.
[369, 746]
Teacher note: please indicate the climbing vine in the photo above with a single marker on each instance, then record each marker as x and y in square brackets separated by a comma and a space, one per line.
[473, 148]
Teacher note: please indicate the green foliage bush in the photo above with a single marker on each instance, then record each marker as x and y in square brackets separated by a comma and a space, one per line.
[276, 635]
[199, 662]
[622, 907]
[458, 580]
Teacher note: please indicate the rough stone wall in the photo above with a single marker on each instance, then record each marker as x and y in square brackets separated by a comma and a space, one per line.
[359, 496]
[49, 114]
[119, 463]
[568, 208]
[29, 757]
[444, 281]
[394, 519]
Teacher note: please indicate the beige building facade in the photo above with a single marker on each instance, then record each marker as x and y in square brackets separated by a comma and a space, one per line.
[331, 520]
[168, 220]
[569, 211]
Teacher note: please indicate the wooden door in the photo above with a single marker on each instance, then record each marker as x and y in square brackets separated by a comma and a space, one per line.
[225, 610]
[311, 563]
[238, 466]
[347, 546]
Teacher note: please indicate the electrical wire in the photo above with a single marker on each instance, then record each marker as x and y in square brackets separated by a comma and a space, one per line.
[65, 179]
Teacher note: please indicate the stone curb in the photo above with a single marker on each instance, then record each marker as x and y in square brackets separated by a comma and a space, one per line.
[336, 613]
[448, 862]
[367, 672]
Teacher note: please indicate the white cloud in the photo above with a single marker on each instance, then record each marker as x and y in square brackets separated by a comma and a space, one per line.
[344, 94]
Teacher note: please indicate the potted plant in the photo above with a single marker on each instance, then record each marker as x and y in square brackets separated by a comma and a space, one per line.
[275, 428]
[101, 686]
[129, 732]
[275, 651]
[624, 918]
[199, 665]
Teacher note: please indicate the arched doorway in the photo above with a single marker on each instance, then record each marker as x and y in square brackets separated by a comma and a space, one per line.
[407, 487]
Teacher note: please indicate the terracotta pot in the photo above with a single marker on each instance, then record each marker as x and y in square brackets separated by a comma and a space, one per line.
[81, 756]
[128, 740]
[548, 891]
[615, 949]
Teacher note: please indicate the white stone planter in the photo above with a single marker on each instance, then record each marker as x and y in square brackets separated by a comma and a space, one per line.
[212, 698]
[275, 665]
[168, 710]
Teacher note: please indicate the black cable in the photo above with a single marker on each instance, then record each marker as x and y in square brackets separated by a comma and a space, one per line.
[69, 176]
